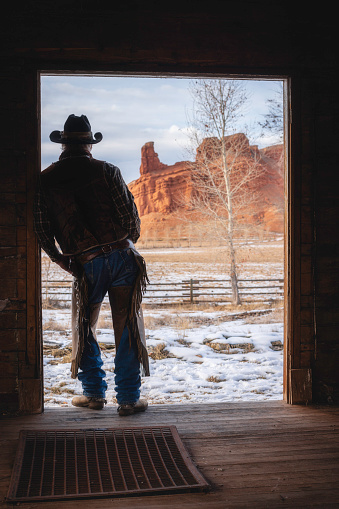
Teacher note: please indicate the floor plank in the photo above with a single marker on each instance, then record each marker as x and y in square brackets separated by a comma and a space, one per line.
[255, 455]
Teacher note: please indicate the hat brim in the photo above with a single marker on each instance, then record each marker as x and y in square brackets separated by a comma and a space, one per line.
[59, 137]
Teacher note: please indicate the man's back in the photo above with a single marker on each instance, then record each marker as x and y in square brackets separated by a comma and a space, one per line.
[80, 201]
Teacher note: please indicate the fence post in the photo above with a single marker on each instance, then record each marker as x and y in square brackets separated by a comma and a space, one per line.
[191, 291]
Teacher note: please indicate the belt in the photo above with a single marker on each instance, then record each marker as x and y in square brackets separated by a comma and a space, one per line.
[107, 248]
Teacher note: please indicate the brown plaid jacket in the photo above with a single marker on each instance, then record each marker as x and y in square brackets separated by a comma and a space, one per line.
[123, 200]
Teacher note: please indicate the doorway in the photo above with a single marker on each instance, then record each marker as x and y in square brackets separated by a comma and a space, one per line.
[242, 343]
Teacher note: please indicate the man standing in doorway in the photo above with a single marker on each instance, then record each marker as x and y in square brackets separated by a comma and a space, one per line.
[85, 206]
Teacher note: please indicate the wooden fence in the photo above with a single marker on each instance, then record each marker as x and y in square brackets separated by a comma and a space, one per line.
[192, 291]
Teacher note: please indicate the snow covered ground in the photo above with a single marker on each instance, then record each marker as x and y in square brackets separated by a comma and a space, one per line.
[196, 355]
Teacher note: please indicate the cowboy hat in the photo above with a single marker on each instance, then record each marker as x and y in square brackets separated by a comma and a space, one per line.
[77, 130]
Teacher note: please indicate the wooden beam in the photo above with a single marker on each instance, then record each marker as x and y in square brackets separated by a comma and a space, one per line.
[30, 396]
[31, 379]
[301, 386]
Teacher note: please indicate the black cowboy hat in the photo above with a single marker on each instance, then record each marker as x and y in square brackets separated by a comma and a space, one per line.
[77, 130]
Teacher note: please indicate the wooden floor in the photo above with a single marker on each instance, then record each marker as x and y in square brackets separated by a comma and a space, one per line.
[255, 455]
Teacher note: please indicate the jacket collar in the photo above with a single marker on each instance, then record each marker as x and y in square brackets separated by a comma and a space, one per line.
[66, 154]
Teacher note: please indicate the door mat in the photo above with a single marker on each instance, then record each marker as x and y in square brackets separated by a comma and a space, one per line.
[90, 463]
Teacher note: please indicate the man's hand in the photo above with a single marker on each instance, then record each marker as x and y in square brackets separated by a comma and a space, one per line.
[67, 263]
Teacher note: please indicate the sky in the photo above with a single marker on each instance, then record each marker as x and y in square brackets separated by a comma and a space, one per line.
[131, 111]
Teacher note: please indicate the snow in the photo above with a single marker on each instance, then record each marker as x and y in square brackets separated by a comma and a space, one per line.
[193, 372]
[207, 355]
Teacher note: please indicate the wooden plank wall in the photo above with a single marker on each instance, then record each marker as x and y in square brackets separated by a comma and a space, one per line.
[13, 241]
[256, 38]
[326, 238]
[20, 368]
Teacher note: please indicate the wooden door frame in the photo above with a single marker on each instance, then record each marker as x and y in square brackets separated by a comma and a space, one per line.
[297, 386]
[297, 369]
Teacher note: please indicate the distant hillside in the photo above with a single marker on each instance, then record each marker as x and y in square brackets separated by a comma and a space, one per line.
[162, 190]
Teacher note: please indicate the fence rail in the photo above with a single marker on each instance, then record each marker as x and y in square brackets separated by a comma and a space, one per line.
[190, 291]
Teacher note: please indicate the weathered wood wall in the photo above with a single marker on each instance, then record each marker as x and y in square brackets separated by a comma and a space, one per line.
[242, 38]
[20, 357]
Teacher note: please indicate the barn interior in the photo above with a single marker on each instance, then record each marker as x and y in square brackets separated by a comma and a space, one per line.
[248, 38]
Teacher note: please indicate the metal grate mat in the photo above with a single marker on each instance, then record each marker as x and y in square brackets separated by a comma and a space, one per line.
[66, 464]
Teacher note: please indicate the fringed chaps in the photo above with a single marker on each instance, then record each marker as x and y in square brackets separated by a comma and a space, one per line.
[126, 310]
[80, 323]
[135, 320]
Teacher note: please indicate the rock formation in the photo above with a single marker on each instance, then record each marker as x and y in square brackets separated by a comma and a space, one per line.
[159, 185]
[162, 193]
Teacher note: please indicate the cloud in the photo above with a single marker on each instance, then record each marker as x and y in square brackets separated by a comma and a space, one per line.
[129, 112]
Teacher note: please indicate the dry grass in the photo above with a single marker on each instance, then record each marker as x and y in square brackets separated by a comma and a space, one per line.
[106, 346]
[60, 390]
[55, 303]
[178, 317]
[174, 317]
[104, 321]
[224, 347]
[183, 342]
[155, 322]
[159, 352]
[261, 253]
[61, 355]
[215, 379]
[182, 324]
[56, 351]
[268, 252]
[53, 325]
[275, 314]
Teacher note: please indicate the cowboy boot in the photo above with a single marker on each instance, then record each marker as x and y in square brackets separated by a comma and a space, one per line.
[132, 408]
[88, 402]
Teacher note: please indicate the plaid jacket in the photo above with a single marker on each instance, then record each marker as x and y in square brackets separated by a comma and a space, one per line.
[125, 211]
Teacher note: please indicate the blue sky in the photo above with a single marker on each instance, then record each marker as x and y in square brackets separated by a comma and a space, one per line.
[130, 112]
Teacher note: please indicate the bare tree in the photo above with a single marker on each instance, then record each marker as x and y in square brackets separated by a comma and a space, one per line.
[225, 166]
[274, 118]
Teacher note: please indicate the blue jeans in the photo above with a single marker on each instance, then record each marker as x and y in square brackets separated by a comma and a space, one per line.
[115, 269]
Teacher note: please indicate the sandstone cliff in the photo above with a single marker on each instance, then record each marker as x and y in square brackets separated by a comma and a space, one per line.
[162, 190]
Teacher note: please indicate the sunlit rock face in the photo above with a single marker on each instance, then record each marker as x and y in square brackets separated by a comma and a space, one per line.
[149, 160]
[160, 186]
[162, 192]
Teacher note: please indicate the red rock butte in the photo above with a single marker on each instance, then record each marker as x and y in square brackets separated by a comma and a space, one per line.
[162, 192]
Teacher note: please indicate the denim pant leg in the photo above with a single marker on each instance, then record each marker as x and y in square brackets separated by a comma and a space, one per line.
[91, 373]
[127, 366]
[127, 371]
